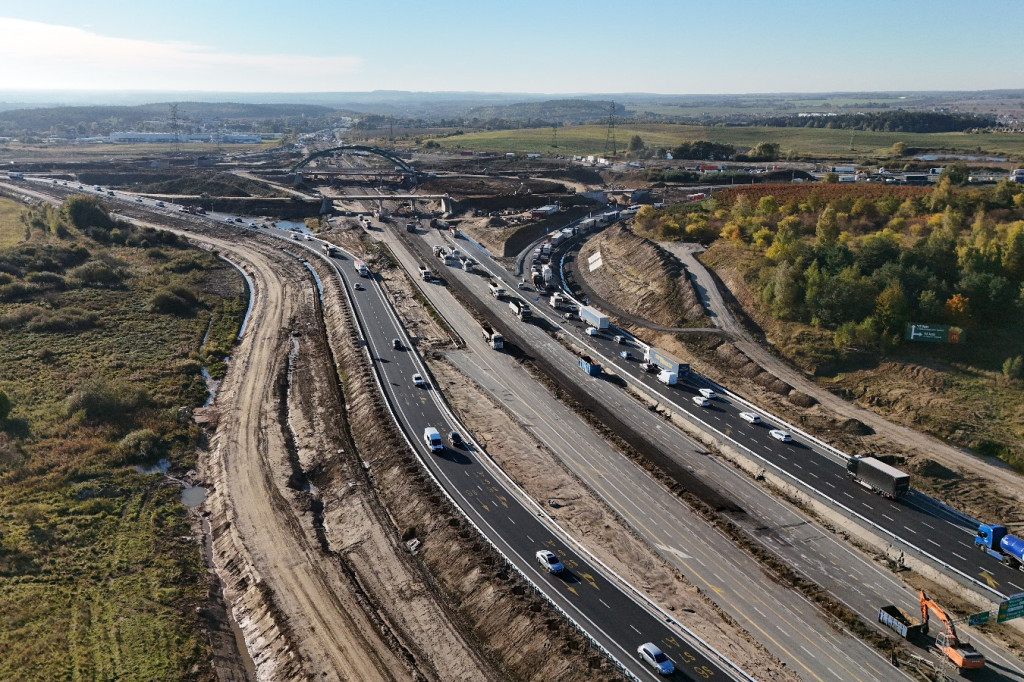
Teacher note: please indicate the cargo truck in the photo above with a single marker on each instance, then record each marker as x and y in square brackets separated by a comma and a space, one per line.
[668, 378]
[520, 308]
[594, 317]
[361, 268]
[556, 301]
[878, 476]
[538, 279]
[432, 439]
[496, 340]
[329, 249]
[548, 273]
[899, 620]
[589, 366]
[497, 291]
[995, 541]
[425, 274]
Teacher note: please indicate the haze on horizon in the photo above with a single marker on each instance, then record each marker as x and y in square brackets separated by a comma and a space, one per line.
[533, 47]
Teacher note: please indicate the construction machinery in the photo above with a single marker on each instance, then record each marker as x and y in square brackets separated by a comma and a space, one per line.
[961, 654]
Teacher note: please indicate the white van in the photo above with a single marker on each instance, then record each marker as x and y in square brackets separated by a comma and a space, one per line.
[432, 439]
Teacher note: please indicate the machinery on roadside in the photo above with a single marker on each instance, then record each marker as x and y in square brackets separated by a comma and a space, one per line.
[961, 654]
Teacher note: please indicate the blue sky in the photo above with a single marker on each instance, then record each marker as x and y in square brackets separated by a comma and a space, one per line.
[680, 47]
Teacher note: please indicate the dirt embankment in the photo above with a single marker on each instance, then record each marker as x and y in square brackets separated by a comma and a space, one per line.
[515, 630]
[641, 278]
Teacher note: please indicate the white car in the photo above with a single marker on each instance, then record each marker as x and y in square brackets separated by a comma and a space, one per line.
[309, 237]
[591, 331]
[549, 562]
[750, 417]
[701, 401]
[779, 434]
[707, 393]
[656, 658]
[417, 381]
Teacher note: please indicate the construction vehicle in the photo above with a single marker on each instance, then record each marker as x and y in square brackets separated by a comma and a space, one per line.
[961, 654]
[496, 340]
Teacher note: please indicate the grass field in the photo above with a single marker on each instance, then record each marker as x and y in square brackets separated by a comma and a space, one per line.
[808, 142]
[12, 230]
[77, 152]
[98, 576]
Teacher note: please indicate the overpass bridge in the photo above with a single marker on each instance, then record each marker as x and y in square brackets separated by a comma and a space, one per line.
[376, 151]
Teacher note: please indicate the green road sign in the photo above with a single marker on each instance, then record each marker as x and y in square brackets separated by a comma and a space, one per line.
[935, 333]
[978, 618]
[1011, 608]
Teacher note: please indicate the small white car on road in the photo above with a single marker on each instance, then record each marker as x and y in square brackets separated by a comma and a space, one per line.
[417, 381]
[701, 401]
[707, 393]
[750, 417]
[549, 562]
[779, 434]
[591, 331]
[656, 658]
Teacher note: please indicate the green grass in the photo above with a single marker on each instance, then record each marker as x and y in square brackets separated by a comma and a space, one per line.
[97, 577]
[12, 230]
[815, 142]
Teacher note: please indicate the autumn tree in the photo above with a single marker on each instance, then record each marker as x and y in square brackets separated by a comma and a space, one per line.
[827, 229]
[958, 308]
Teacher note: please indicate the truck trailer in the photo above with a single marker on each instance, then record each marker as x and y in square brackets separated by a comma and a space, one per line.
[878, 476]
[594, 317]
[496, 340]
[899, 620]
[425, 274]
[361, 268]
[1000, 544]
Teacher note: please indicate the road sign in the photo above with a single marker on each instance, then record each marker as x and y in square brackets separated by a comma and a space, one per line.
[978, 618]
[1011, 608]
[935, 333]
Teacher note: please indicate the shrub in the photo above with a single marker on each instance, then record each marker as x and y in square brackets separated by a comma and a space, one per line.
[62, 321]
[179, 301]
[99, 401]
[140, 444]
[97, 274]
[18, 291]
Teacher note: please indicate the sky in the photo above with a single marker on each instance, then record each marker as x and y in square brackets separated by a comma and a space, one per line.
[528, 46]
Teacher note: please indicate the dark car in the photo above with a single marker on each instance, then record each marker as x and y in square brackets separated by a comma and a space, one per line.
[455, 439]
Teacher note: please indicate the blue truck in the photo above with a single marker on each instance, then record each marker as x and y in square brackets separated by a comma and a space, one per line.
[588, 365]
[995, 541]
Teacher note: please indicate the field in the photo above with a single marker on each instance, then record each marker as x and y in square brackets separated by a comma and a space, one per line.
[99, 577]
[12, 230]
[805, 142]
[17, 151]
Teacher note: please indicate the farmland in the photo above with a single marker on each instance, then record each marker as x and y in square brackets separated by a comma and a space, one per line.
[821, 143]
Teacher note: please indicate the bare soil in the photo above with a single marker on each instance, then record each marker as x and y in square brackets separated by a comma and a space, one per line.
[641, 278]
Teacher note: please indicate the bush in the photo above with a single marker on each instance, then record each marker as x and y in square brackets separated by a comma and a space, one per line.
[18, 291]
[97, 274]
[1013, 368]
[141, 444]
[62, 321]
[101, 401]
[179, 301]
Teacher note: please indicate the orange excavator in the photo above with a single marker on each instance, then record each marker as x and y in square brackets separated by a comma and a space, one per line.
[961, 654]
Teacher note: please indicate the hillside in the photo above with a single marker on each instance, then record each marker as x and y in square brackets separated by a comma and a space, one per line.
[641, 278]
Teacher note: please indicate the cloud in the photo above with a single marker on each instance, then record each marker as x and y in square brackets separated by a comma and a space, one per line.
[47, 56]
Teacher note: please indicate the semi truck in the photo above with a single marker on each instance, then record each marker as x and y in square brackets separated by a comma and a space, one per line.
[361, 268]
[425, 274]
[556, 301]
[432, 439]
[497, 291]
[588, 365]
[496, 340]
[594, 317]
[520, 308]
[878, 476]
[329, 249]
[538, 279]
[1000, 544]
[897, 619]
[548, 273]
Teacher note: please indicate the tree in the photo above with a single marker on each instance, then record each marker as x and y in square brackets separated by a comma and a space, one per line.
[765, 151]
[636, 144]
[831, 178]
[957, 173]
[827, 229]
[1013, 368]
[767, 206]
[892, 310]
[958, 308]
[899, 148]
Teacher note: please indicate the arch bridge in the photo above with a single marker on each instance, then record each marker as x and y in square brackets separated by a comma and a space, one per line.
[383, 153]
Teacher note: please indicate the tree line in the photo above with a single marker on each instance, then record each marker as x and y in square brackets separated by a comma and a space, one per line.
[888, 121]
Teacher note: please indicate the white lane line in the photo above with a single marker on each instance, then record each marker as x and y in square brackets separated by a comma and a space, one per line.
[1016, 585]
[807, 652]
[961, 558]
[889, 517]
[603, 602]
[934, 543]
[868, 506]
[634, 629]
[928, 524]
[510, 519]
[911, 530]
[811, 473]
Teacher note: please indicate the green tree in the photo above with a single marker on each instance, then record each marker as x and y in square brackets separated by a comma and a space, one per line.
[765, 151]
[1013, 252]
[831, 178]
[783, 292]
[1013, 368]
[958, 173]
[767, 206]
[929, 306]
[892, 311]
[827, 229]
[899, 148]
[636, 144]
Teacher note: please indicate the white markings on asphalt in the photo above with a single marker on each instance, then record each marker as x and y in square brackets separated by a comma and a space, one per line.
[928, 524]
[760, 612]
[811, 473]
[1016, 585]
[530, 539]
[830, 485]
[834, 674]
[603, 602]
[807, 652]
[848, 494]
[889, 517]
[510, 519]
[798, 466]
[961, 558]
[934, 543]
[868, 505]
[911, 530]
[634, 629]
[780, 629]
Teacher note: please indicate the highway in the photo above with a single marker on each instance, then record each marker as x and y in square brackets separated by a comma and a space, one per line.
[613, 617]
[823, 557]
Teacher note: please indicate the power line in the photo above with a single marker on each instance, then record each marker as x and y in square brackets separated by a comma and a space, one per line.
[609, 139]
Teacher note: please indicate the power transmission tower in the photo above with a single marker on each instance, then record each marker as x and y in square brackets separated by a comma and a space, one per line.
[174, 128]
[609, 139]
[554, 135]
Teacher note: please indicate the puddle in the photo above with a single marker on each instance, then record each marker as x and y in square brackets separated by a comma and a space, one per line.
[211, 386]
[193, 495]
[160, 467]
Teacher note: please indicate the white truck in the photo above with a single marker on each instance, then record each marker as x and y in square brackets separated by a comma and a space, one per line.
[425, 274]
[497, 291]
[329, 249]
[496, 340]
[594, 317]
[432, 439]
[556, 301]
[668, 378]
[361, 268]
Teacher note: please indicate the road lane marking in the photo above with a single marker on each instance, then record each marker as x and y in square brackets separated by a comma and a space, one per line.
[934, 543]
[911, 530]
[635, 630]
[807, 652]
[961, 558]
[889, 517]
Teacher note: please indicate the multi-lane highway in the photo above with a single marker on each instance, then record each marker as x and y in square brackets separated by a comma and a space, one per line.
[617, 618]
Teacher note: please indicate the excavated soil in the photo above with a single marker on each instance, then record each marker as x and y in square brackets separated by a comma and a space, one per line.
[641, 278]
